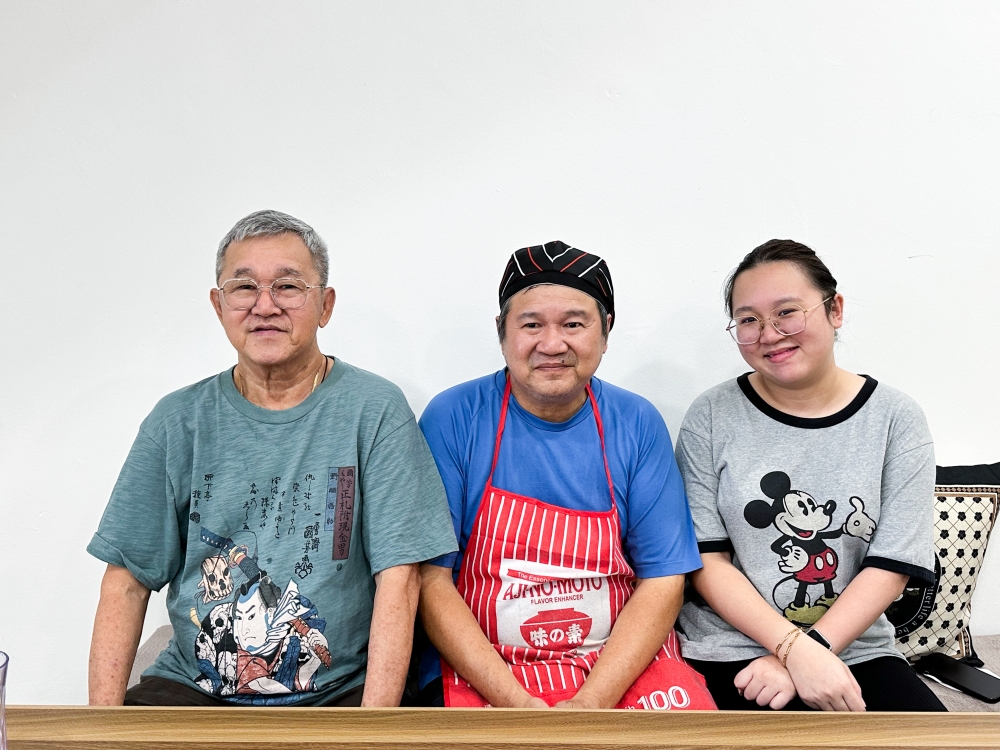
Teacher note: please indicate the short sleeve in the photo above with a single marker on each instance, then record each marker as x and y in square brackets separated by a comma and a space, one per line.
[660, 539]
[697, 466]
[404, 509]
[903, 540]
[139, 530]
[444, 436]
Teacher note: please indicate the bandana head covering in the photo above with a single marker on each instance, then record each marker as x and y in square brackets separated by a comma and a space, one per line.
[558, 263]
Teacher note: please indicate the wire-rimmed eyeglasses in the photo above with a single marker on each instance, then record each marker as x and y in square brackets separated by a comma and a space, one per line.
[288, 294]
[787, 320]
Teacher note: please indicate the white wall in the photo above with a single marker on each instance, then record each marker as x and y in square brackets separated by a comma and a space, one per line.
[427, 141]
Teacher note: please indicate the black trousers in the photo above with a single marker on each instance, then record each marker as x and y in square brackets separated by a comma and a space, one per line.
[887, 684]
[431, 696]
[159, 691]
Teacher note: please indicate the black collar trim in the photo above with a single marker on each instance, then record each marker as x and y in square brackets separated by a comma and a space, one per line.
[808, 423]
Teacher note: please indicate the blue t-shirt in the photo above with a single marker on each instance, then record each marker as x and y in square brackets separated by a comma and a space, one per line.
[560, 463]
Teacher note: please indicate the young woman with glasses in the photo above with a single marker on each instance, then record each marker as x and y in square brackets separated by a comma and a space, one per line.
[811, 489]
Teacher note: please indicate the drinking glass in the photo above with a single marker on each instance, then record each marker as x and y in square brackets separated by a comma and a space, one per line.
[3, 702]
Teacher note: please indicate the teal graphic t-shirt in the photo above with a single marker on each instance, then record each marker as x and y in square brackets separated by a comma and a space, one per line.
[269, 526]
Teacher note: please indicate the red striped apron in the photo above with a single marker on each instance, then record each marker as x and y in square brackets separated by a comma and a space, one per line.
[549, 618]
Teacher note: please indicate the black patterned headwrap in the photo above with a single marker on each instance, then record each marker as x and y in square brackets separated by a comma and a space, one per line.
[558, 263]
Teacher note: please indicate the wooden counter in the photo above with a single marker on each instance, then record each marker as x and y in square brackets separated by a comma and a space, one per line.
[83, 728]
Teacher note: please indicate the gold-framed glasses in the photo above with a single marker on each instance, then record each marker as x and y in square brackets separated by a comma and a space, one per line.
[288, 294]
[787, 320]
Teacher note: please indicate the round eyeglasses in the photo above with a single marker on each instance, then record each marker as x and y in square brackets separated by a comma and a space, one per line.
[787, 320]
[288, 294]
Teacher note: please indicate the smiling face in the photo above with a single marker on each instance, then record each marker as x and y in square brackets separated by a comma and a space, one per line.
[802, 518]
[790, 361]
[267, 335]
[553, 345]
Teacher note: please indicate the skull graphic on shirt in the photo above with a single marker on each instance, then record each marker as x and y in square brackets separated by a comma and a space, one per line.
[216, 582]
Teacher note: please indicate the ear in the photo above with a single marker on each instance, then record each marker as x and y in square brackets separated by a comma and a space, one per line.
[836, 314]
[216, 298]
[776, 485]
[329, 300]
[760, 514]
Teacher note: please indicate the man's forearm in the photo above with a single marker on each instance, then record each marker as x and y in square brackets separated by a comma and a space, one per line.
[455, 633]
[117, 628]
[640, 630]
[390, 639]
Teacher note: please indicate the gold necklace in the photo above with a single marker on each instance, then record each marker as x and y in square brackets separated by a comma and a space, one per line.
[323, 372]
[316, 380]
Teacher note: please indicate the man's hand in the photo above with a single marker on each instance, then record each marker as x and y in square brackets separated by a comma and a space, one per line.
[766, 682]
[530, 701]
[457, 636]
[390, 639]
[117, 628]
[578, 702]
[821, 679]
[639, 632]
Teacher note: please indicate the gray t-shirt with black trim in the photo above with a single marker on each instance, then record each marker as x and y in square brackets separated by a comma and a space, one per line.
[269, 526]
[804, 505]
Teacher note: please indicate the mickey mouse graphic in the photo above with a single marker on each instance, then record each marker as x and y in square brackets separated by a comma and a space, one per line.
[802, 546]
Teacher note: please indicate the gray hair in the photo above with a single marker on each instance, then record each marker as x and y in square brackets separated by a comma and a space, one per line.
[505, 310]
[269, 224]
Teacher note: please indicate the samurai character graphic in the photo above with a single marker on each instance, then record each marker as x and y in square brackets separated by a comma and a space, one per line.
[263, 646]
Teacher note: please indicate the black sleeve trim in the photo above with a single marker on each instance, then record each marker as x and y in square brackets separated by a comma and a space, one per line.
[717, 545]
[917, 574]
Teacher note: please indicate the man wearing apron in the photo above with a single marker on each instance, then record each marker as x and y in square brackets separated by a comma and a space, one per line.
[574, 531]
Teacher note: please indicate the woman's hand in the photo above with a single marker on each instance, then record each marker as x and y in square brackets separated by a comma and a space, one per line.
[765, 681]
[821, 679]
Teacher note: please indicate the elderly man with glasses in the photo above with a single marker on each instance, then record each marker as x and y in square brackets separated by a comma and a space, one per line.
[287, 503]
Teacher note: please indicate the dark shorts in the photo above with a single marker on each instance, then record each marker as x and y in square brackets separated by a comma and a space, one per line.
[159, 691]
[887, 683]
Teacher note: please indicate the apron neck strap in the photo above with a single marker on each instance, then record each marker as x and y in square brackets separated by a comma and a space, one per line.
[600, 432]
